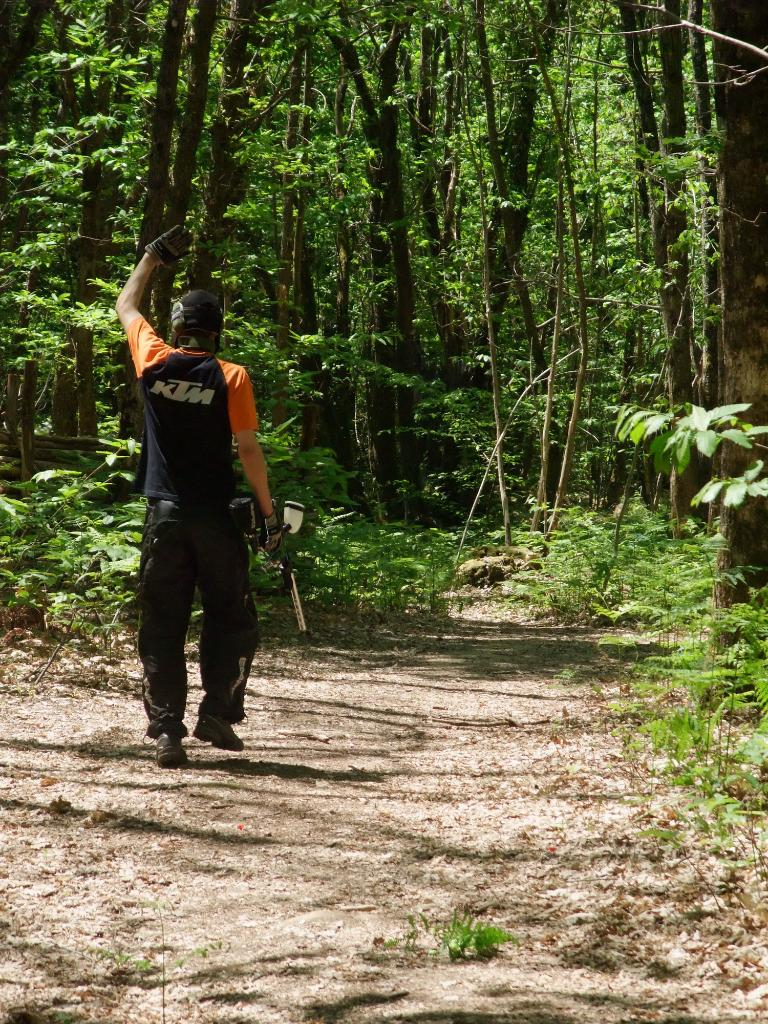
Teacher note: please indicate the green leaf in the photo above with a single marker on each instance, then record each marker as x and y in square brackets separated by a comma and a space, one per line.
[735, 493]
[708, 492]
[658, 450]
[656, 421]
[682, 451]
[12, 506]
[707, 442]
[47, 474]
[754, 471]
[699, 418]
[738, 437]
[725, 412]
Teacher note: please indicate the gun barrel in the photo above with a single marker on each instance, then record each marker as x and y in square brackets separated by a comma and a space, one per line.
[297, 605]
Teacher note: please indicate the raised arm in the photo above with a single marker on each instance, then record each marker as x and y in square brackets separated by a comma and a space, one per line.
[163, 251]
[129, 299]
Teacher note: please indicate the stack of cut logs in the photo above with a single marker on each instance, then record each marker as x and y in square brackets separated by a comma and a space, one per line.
[24, 453]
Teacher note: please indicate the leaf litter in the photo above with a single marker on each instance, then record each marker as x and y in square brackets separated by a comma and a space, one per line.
[264, 886]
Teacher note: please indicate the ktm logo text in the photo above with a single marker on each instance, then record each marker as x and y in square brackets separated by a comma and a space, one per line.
[183, 391]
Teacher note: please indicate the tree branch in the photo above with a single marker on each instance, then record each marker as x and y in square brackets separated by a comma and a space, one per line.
[690, 25]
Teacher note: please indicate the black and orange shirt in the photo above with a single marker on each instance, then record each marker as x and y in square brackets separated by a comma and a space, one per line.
[193, 404]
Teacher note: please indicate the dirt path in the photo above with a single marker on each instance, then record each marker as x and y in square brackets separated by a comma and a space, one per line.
[461, 763]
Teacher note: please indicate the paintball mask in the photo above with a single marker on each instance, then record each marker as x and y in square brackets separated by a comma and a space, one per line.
[196, 311]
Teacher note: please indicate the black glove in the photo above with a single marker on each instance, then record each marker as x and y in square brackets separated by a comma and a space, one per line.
[171, 245]
[271, 532]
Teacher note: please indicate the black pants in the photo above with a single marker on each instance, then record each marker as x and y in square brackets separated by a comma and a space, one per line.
[181, 548]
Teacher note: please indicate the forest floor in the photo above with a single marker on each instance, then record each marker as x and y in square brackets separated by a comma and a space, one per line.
[422, 766]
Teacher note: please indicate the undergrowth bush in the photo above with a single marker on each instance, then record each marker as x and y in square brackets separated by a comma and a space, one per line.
[69, 553]
[350, 561]
[649, 578]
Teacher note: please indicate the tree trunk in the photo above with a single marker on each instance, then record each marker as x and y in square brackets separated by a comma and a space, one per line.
[395, 448]
[743, 171]
[285, 265]
[508, 151]
[161, 133]
[74, 396]
[337, 415]
[438, 188]
[495, 385]
[16, 50]
[127, 401]
[27, 417]
[224, 182]
[668, 222]
[94, 238]
[676, 291]
[513, 216]
[185, 157]
[540, 512]
[305, 310]
[569, 450]
[161, 130]
[707, 375]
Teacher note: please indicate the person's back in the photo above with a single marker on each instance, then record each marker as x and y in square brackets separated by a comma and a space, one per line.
[193, 404]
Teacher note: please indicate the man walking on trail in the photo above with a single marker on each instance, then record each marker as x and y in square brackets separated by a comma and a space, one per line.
[193, 405]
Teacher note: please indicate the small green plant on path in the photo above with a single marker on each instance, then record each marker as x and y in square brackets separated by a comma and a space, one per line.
[123, 962]
[461, 938]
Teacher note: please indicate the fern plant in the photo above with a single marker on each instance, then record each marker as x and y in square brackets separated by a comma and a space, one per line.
[463, 937]
[460, 938]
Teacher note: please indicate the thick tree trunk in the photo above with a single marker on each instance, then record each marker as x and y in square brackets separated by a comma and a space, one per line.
[127, 400]
[161, 133]
[743, 172]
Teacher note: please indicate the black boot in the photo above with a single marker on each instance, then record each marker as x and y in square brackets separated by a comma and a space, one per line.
[211, 729]
[170, 752]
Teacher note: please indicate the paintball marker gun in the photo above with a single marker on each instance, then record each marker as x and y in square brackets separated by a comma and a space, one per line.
[246, 514]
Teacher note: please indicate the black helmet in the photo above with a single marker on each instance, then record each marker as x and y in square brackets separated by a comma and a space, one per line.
[197, 311]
